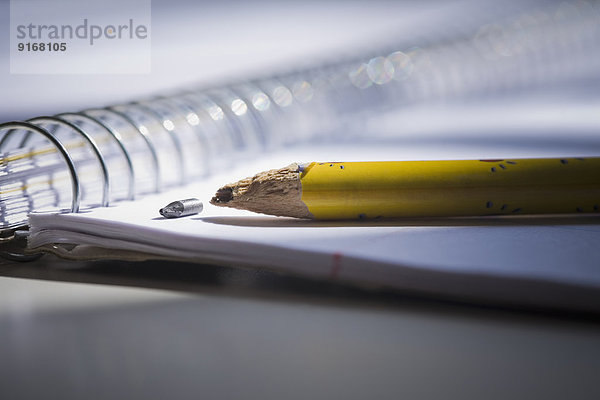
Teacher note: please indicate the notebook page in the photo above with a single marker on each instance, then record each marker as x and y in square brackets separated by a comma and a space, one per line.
[540, 249]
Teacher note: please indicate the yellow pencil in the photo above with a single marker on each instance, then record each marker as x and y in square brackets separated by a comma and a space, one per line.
[350, 190]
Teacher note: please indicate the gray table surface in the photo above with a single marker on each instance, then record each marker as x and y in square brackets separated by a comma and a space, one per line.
[174, 330]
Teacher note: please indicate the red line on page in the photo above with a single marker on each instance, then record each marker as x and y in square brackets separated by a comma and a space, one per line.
[336, 265]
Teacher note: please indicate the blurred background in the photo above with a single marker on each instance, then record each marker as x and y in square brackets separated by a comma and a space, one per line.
[467, 68]
[211, 44]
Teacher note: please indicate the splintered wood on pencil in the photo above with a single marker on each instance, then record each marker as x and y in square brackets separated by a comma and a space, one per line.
[275, 192]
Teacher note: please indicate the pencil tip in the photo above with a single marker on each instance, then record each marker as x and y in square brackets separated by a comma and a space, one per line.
[223, 195]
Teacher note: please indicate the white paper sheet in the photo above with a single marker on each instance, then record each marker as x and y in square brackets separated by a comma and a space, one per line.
[406, 254]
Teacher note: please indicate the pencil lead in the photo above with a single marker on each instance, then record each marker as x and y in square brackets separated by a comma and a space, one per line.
[223, 195]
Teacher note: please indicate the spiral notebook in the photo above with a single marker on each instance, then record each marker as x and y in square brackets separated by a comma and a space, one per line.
[89, 184]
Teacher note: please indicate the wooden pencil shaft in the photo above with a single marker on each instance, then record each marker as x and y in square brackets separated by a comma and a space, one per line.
[451, 188]
[352, 190]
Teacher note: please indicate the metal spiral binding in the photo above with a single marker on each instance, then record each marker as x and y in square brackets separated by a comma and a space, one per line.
[157, 141]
